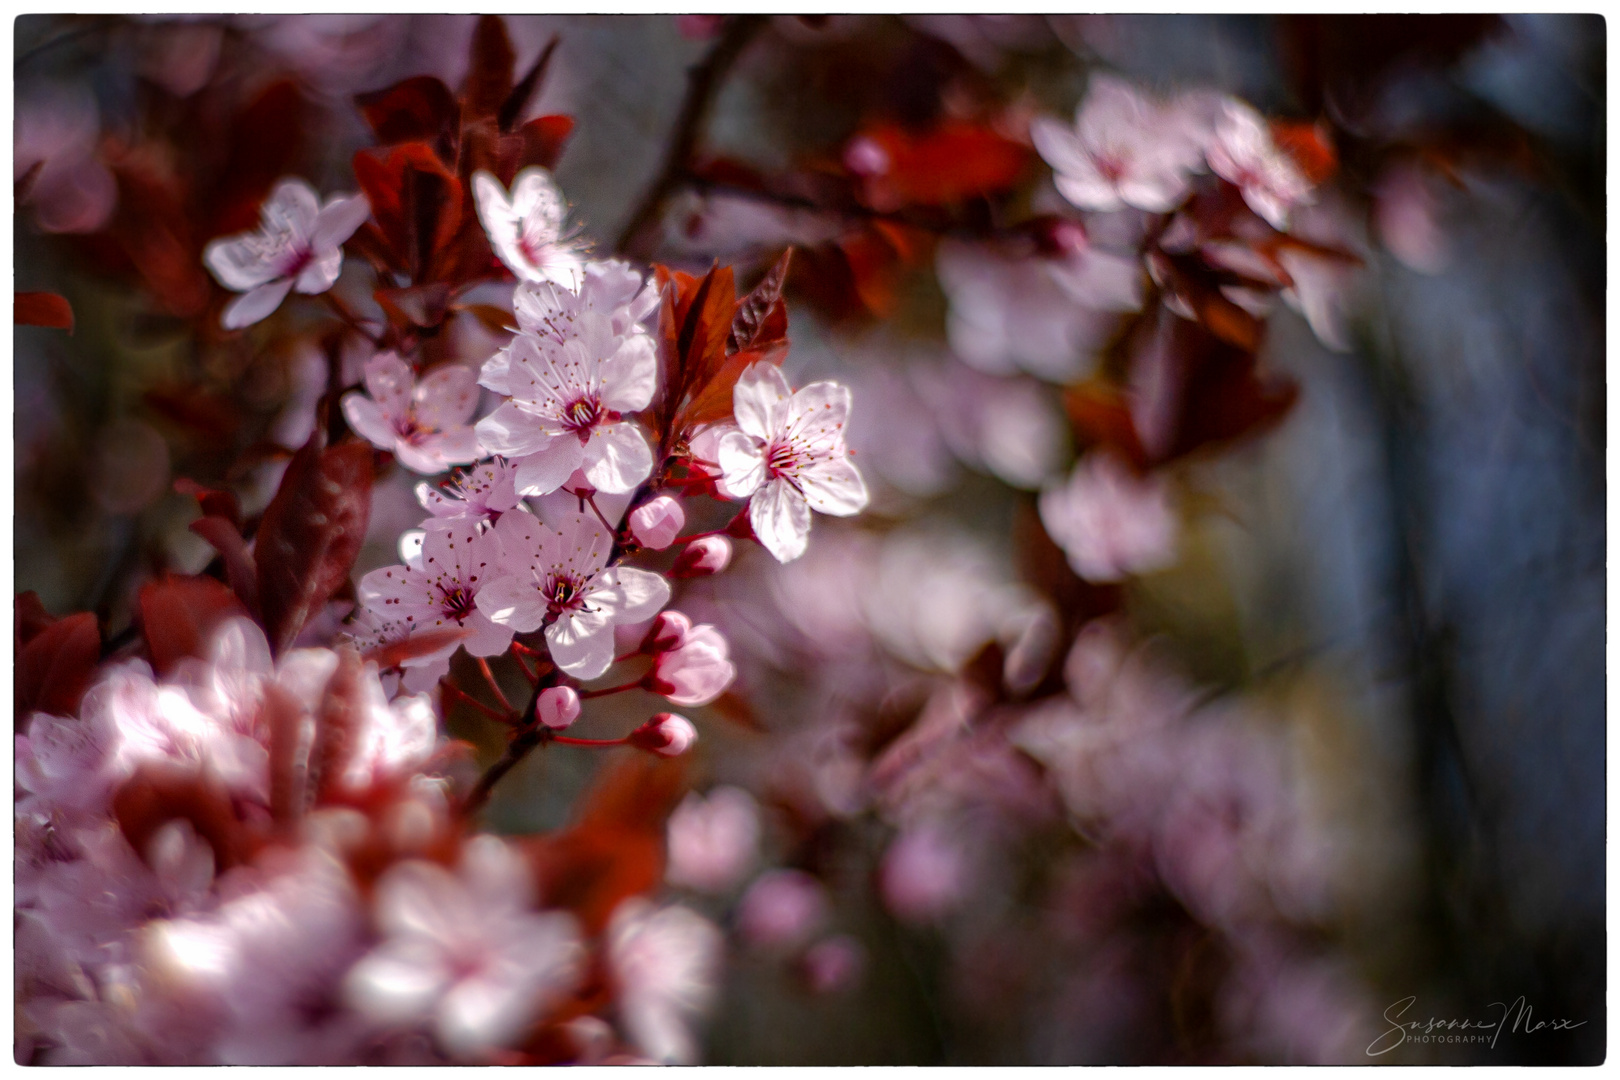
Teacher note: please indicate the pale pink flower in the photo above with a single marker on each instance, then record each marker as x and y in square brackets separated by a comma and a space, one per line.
[665, 734]
[67, 762]
[424, 424]
[695, 671]
[480, 494]
[559, 578]
[790, 455]
[1244, 153]
[781, 909]
[557, 706]
[713, 841]
[702, 557]
[457, 563]
[665, 963]
[610, 287]
[395, 737]
[527, 229]
[655, 524]
[1109, 522]
[1123, 150]
[924, 874]
[1320, 291]
[668, 631]
[569, 395]
[57, 131]
[372, 629]
[465, 951]
[1408, 216]
[299, 245]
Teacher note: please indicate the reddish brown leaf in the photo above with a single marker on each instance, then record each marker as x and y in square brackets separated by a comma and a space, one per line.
[543, 139]
[212, 417]
[55, 668]
[1102, 416]
[338, 725]
[30, 619]
[415, 203]
[284, 718]
[761, 317]
[311, 534]
[161, 792]
[216, 501]
[953, 162]
[420, 644]
[178, 614]
[419, 305]
[265, 139]
[1309, 146]
[517, 102]
[489, 68]
[226, 538]
[43, 309]
[420, 108]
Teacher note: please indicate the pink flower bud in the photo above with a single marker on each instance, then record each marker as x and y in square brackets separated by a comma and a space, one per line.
[865, 157]
[669, 631]
[781, 908]
[702, 557]
[657, 523]
[666, 734]
[696, 671]
[558, 706]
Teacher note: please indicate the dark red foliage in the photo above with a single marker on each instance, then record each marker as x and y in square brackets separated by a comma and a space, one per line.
[218, 502]
[225, 537]
[43, 309]
[179, 613]
[55, 666]
[311, 534]
[947, 164]
[161, 792]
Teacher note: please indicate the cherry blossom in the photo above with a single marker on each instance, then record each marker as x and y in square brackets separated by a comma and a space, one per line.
[713, 840]
[465, 951]
[299, 245]
[457, 563]
[924, 874]
[1123, 150]
[526, 229]
[481, 493]
[695, 670]
[834, 964]
[423, 423]
[702, 557]
[559, 579]
[665, 734]
[1244, 153]
[789, 454]
[665, 963]
[569, 394]
[656, 523]
[1109, 522]
[557, 706]
[781, 909]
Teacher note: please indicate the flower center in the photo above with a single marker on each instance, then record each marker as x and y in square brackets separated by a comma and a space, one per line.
[457, 603]
[583, 414]
[300, 257]
[563, 593]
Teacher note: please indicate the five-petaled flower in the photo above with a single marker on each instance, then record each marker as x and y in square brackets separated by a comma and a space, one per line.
[790, 455]
[424, 424]
[526, 230]
[559, 579]
[1122, 150]
[299, 245]
[438, 589]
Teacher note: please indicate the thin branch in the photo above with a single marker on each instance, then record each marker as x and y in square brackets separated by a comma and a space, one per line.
[495, 687]
[702, 85]
[605, 691]
[504, 718]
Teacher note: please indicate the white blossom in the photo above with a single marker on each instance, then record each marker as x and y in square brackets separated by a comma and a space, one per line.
[1122, 150]
[457, 562]
[526, 229]
[1109, 522]
[423, 423]
[1244, 153]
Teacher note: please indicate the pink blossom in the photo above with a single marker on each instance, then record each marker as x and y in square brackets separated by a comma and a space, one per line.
[781, 909]
[668, 631]
[481, 493]
[526, 230]
[299, 245]
[559, 578]
[665, 963]
[1244, 153]
[1407, 214]
[655, 524]
[713, 841]
[465, 951]
[557, 706]
[665, 734]
[1320, 290]
[57, 132]
[458, 563]
[696, 671]
[1110, 523]
[833, 964]
[702, 557]
[424, 424]
[789, 454]
[1123, 150]
[924, 874]
[571, 383]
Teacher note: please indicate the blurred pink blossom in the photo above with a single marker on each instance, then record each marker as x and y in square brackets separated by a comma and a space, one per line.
[781, 909]
[1122, 150]
[713, 840]
[665, 963]
[1111, 523]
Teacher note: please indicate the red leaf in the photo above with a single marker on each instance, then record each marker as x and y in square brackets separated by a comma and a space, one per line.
[178, 614]
[419, 305]
[338, 726]
[489, 68]
[538, 142]
[55, 668]
[311, 534]
[219, 502]
[30, 619]
[418, 644]
[953, 162]
[416, 204]
[212, 417]
[224, 536]
[283, 717]
[265, 140]
[161, 792]
[761, 317]
[43, 309]
[518, 100]
[1101, 415]
[1309, 146]
[418, 109]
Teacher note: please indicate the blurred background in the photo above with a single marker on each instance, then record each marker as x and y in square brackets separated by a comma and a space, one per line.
[1346, 748]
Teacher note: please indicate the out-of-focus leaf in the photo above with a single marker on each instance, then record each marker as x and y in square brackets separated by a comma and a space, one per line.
[338, 725]
[420, 644]
[953, 162]
[265, 140]
[212, 417]
[179, 613]
[161, 792]
[43, 309]
[489, 68]
[220, 502]
[1309, 146]
[1102, 416]
[517, 101]
[419, 109]
[29, 619]
[226, 538]
[286, 723]
[55, 668]
[311, 534]
[419, 305]
[495, 320]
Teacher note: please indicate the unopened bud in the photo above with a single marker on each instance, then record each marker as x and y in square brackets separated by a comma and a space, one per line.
[703, 557]
[558, 706]
[667, 734]
[657, 523]
[669, 630]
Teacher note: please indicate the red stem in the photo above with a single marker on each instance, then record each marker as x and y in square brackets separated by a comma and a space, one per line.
[506, 718]
[489, 677]
[583, 694]
[569, 741]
